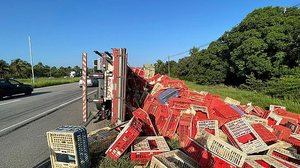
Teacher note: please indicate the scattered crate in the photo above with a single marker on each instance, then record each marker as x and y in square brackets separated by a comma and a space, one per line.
[295, 141]
[231, 101]
[172, 123]
[294, 127]
[174, 84]
[286, 157]
[161, 117]
[143, 116]
[128, 134]
[273, 107]
[180, 103]
[273, 119]
[225, 111]
[255, 119]
[165, 95]
[220, 148]
[192, 95]
[210, 126]
[262, 161]
[267, 136]
[173, 159]
[144, 148]
[281, 132]
[68, 147]
[157, 87]
[242, 135]
[195, 151]
[184, 128]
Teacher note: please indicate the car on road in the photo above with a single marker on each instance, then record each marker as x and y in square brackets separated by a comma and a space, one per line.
[9, 87]
[91, 81]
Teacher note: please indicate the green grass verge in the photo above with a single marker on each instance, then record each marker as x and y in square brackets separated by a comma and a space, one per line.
[245, 97]
[43, 82]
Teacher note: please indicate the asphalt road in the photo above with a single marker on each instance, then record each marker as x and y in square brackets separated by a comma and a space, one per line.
[27, 145]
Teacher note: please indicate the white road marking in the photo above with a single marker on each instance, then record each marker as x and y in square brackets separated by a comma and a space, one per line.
[10, 102]
[43, 113]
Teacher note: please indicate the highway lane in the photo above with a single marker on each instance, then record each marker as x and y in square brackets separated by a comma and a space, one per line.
[27, 146]
[20, 108]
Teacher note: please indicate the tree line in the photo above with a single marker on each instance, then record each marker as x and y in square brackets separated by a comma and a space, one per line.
[19, 68]
[257, 54]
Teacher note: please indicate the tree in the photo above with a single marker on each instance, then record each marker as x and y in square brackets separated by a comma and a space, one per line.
[19, 68]
[4, 68]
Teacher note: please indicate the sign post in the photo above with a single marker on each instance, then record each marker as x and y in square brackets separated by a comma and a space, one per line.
[84, 87]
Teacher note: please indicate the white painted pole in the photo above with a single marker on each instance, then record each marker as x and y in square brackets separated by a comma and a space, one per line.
[31, 62]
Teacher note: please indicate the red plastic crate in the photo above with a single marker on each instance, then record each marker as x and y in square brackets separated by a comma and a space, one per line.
[151, 106]
[258, 111]
[267, 136]
[225, 111]
[285, 120]
[192, 95]
[154, 79]
[210, 126]
[128, 134]
[174, 84]
[295, 128]
[295, 140]
[281, 132]
[161, 117]
[144, 148]
[199, 116]
[262, 161]
[286, 157]
[242, 135]
[172, 123]
[223, 150]
[273, 119]
[274, 107]
[143, 116]
[198, 153]
[179, 103]
[184, 128]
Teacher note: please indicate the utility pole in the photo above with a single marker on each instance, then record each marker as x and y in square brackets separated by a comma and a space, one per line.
[169, 74]
[30, 53]
[50, 71]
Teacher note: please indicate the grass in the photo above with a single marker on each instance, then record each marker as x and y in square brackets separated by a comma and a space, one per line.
[245, 97]
[123, 161]
[43, 82]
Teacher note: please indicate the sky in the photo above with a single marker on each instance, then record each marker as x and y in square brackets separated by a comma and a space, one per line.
[61, 30]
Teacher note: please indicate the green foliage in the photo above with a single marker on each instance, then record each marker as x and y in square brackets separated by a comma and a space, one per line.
[257, 55]
[123, 161]
[22, 69]
[284, 88]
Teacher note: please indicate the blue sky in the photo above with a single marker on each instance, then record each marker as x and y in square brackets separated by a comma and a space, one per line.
[62, 29]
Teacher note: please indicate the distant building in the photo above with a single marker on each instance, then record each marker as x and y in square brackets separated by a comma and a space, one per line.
[72, 74]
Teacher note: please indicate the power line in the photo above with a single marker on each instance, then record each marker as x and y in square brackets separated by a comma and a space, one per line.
[184, 52]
